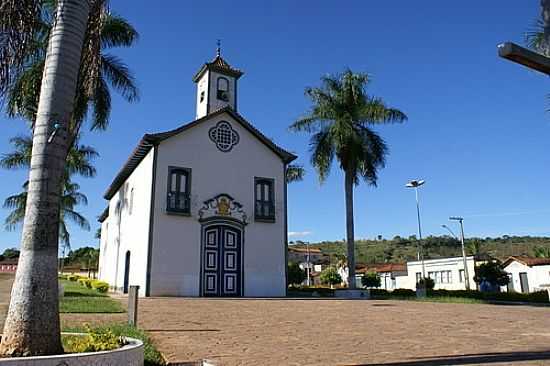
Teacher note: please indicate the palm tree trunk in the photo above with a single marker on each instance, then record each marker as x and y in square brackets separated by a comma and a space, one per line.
[350, 229]
[32, 324]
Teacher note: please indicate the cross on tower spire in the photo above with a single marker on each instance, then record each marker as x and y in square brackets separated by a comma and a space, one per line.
[219, 48]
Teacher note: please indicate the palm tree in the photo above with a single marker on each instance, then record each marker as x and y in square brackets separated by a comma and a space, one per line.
[542, 252]
[70, 198]
[32, 325]
[341, 120]
[79, 161]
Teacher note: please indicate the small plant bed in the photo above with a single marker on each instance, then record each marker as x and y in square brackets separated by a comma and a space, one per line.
[310, 291]
[464, 297]
[109, 336]
[78, 298]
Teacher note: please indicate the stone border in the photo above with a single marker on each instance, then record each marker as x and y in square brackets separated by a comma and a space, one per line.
[130, 354]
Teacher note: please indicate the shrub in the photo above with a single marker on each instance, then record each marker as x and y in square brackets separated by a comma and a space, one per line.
[310, 290]
[94, 341]
[85, 282]
[100, 286]
[330, 276]
[379, 293]
[536, 297]
[403, 292]
[73, 278]
[426, 283]
[371, 279]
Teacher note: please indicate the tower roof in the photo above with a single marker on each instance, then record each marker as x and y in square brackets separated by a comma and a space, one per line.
[218, 64]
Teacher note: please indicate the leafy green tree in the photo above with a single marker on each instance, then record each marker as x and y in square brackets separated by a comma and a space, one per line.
[371, 279]
[11, 253]
[330, 276]
[341, 120]
[492, 273]
[296, 275]
[475, 247]
[67, 34]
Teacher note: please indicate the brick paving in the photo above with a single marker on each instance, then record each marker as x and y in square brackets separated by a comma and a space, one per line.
[336, 332]
[346, 332]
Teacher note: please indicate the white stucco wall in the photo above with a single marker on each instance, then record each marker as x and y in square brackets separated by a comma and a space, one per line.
[454, 264]
[176, 246]
[536, 275]
[202, 86]
[134, 229]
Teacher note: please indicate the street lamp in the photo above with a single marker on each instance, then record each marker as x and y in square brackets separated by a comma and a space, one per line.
[460, 220]
[415, 184]
[525, 57]
[449, 230]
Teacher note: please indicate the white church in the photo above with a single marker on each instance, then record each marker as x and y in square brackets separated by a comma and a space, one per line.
[200, 210]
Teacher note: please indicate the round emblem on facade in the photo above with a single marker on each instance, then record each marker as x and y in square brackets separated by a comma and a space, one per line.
[224, 136]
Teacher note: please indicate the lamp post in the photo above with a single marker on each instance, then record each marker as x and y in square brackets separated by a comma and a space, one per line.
[466, 275]
[416, 184]
[526, 57]
[308, 270]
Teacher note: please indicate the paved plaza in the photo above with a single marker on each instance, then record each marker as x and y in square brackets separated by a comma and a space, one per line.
[336, 332]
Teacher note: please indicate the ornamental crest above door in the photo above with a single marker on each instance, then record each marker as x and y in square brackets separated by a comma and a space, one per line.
[222, 205]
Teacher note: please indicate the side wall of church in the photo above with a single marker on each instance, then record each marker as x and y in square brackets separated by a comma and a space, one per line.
[127, 229]
[177, 239]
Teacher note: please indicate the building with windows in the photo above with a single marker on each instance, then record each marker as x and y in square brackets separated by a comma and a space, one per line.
[447, 273]
[200, 210]
[527, 274]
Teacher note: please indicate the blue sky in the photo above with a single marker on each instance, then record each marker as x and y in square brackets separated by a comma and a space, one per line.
[478, 129]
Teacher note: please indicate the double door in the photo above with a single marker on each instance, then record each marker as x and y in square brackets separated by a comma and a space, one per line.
[222, 261]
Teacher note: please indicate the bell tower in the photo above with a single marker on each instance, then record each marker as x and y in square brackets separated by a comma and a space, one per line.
[216, 85]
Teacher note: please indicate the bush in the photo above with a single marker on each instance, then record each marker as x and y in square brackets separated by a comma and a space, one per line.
[296, 275]
[535, 297]
[73, 278]
[100, 286]
[310, 290]
[492, 273]
[94, 341]
[85, 282]
[426, 283]
[379, 293]
[330, 276]
[403, 292]
[371, 279]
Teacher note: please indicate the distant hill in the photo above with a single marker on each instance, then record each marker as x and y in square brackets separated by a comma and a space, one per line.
[404, 249]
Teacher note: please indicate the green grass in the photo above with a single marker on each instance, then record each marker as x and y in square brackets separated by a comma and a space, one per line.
[151, 355]
[80, 299]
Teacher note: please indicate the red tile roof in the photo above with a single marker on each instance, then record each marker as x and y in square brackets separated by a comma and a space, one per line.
[382, 267]
[528, 261]
[304, 250]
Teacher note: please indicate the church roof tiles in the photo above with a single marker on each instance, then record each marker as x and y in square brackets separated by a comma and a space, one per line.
[218, 64]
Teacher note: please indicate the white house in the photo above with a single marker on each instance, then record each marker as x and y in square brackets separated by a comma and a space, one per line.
[200, 210]
[527, 274]
[447, 273]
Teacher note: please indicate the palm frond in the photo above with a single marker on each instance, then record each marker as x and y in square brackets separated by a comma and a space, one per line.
[295, 173]
[102, 106]
[119, 76]
[322, 153]
[117, 32]
[77, 219]
[19, 21]
[534, 38]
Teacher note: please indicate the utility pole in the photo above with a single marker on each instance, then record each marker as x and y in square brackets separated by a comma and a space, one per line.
[307, 268]
[466, 275]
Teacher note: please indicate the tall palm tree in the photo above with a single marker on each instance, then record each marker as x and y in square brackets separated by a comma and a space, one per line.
[79, 161]
[341, 120]
[70, 198]
[32, 325]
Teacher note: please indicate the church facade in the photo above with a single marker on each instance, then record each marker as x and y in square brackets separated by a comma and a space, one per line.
[200, 210]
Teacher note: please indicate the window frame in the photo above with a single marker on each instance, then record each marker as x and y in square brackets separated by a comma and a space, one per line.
[187, 172]
[131, 203]
[271, 183]
[218, 89]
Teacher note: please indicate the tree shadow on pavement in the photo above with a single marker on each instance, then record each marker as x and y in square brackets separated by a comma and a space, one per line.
[470, 359]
